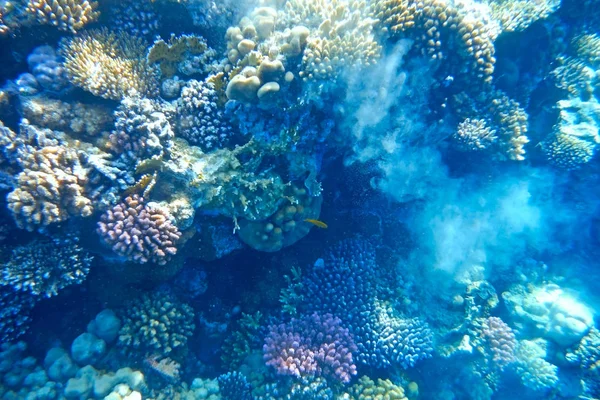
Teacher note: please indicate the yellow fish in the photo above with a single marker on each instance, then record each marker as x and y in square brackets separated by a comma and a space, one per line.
[316, 222]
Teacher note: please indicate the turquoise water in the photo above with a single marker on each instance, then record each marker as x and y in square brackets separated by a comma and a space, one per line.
[299, 199]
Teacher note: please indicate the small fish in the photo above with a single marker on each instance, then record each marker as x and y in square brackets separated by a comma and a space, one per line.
[316, 222]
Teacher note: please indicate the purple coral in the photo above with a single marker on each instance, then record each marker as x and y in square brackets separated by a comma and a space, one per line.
[501, 340]
[139, 232]
[311, 346]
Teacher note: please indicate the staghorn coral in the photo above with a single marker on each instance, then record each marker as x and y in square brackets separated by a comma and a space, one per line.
[367, 389]
[200, 120]
[474, 135]
[315, 345]
[43, 267]
[156, 323]
[67, 15]
[518, 15]
[142, 130]
[286, 226]
[501, 340]
[437, 25]
[109, 65]
[139, 232]
[51, 187]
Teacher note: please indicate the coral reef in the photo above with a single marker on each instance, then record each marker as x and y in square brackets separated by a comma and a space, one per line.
[185, 54]
[501, 340]
[67, 15]
[142, 130]
[139, 231]
[345, 285]
[44, 267]
[367, 389]
[199, 118]
[156, 324]
[109, 65]
[316, 345]
[518, 15]
[234, 386]
[474, 135]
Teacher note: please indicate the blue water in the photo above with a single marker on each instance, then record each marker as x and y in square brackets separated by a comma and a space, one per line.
[299, 199]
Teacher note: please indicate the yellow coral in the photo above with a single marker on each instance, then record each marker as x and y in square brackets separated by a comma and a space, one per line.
[384, 389]
[167, 55]
[109, 65]
[67, 15]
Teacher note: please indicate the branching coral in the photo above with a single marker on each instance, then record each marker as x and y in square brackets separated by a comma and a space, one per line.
[517, 15]
[316, 345]
[156, 323]
[474, 135]
[109, 65]
[14, 313]
[142, 130]
[367, 389]
[43, 267]
[575, 136]
[501, 340]
[51, 187]
[345, 285]
[200, 119]
[67, 15]
[234, 386]
[139, 232]
[437, 25]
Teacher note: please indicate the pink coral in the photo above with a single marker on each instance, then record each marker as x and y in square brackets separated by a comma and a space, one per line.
[501, 340]
[139, 232]
[312, 346]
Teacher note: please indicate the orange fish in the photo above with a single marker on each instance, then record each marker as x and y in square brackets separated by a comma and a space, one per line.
[316, 223]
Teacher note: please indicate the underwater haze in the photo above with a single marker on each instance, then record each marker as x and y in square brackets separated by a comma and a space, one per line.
[299, 199]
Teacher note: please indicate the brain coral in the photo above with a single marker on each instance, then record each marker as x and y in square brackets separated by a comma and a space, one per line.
[110, 65]
[139, 232]
[43, 267]
[67, 15]
[156, 324]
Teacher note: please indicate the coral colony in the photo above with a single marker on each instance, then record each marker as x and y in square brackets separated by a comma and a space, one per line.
[299, 199]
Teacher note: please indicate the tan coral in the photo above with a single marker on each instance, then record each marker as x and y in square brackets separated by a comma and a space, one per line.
[50, 189]
[67, 15]
[109, 65]
[434, 24]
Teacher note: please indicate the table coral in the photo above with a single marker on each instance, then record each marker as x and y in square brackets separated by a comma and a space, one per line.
[110, 65]
[139, 232]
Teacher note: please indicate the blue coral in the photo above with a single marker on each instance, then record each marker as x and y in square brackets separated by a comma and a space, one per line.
[234, 386]
[345, 284]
